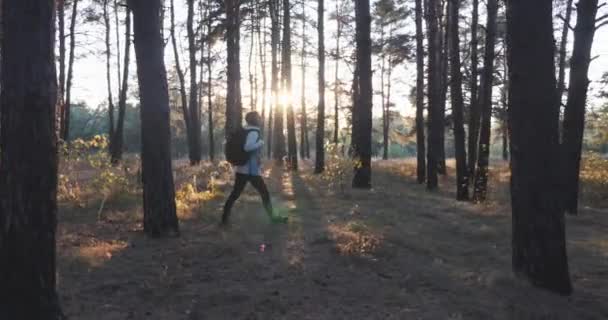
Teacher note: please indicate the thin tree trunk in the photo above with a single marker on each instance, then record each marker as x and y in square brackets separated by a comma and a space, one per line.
[505, 108]
[262, 48]
[194, 108]
[382, 95]
[320, 135]
[180, 76]
[117, 28]
[443, 52]
[252, 89]
[108, 31]
[160, 217]
[420, 146]
[209, 86]
[292, 145]
[116, 145]
[61, 93]
[539, 240]
[574, 114]
[304, 147]
[387, 126]
[483, 159]
[474, 108]
[68, 90]
[562, 53]
[462, 177]
[363, 130]
[336, 76]
[434, 86]
[28, 164]
[278, 138]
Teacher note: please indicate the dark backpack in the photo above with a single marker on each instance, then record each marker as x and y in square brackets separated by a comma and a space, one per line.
[235, 147]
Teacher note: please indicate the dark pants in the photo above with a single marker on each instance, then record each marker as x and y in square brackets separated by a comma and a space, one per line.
[239, 185]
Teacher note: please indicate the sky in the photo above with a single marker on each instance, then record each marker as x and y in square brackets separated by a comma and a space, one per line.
[90, 74]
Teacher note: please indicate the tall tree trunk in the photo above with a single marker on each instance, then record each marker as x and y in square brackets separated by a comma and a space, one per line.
[434, 86]
[505, 107]
[28, 165]
[562, 53]
[61, 80]
[234, 114]
[116, 145]
[443, 52]
[574, 114]
[108, 31]
[292, 145]
[483, 158]
[420, 147]
[387, 126]
[180, 76]
[363, 130]
[194, 108]
[474, 108]
[160, 218]
[278, 138]
[68, 91]
[252, 89]
[304, 147]
[539, 240]
[209, 87]
[336, 75]
[320, 136]
[383, 95]
[262, 48]
[462, 177]
[117, 28]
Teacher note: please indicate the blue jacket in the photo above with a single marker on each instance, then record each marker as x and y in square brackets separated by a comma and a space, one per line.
[253, 145]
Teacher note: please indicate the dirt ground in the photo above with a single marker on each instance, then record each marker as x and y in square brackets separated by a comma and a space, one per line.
[395, 252]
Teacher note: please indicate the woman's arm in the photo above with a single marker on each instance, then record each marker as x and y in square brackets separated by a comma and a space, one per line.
[253, 142]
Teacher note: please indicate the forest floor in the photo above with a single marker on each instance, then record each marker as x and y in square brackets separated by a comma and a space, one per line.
[395, 252]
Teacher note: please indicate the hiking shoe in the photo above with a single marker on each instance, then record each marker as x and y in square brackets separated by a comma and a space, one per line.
[279, 219]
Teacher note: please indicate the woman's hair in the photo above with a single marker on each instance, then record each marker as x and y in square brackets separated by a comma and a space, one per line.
[253, 118]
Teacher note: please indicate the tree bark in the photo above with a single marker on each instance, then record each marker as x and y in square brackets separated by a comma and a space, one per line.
[574, 114]
[383, 95]
[262, 48]
[278, 138]
[234, 107]
[68, 91]
[337, 74]
[194, 108]
[180, 76]
[434, 86]
[562, 52]
[28, 163]
[304, 147]
[117, 28]
[443, 89]
[539, 244]
[61, 80]
[160, 218]
[474, 109]
[420, 147]
[106, 20]
[209, 87]
[483, 158]
[362, 128]
[320, 136]
[292, 145]
[116, 145]
[462, 177]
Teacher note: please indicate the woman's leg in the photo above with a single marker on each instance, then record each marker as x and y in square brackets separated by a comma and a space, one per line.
[258, 183]
[239, 185]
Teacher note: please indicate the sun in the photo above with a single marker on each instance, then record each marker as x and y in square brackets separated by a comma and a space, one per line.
[284, 98]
